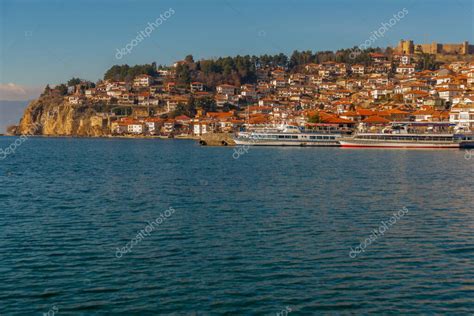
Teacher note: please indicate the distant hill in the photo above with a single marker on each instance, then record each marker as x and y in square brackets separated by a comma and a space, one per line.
[11, 113]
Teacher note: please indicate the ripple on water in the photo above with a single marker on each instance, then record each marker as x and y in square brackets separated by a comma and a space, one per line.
[270, 230]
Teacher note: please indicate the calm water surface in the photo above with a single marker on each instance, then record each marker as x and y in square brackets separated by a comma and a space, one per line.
[249, 236]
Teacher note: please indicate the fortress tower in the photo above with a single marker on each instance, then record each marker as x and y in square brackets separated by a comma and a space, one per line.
[406, 47]
[465, 48]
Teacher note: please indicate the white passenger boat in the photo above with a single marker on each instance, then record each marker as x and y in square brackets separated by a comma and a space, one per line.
[400, 135]
[287, 136]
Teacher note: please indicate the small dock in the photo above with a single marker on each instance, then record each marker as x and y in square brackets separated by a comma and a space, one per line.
[217, 139]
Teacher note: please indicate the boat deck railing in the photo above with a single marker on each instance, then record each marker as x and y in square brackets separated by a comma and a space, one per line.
[303, 131]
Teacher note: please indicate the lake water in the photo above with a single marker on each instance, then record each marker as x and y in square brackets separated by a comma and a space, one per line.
[268, 232]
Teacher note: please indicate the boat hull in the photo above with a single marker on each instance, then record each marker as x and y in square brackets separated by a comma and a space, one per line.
[467, 145]
[385, 144]
[275, 138]
[286, 143]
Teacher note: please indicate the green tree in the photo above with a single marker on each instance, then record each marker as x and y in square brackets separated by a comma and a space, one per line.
[47, 90]
[184, 109]
[62, 89]
[208, 104]
[189, 59]
[127, 73]
[427, 62]
[183, 74]
[74, 81]
[314, 118]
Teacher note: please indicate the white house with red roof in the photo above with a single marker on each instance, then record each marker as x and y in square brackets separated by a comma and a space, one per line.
[449, 94]
[200, 127]
[135, 127]
[358, 69]
[142, 81]
[226, 89]
[196, 86]
[405, 69]
[462, 114]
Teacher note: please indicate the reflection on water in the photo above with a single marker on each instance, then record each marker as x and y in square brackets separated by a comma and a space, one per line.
[250, 236]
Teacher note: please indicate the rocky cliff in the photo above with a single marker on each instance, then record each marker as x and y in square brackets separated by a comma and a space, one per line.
[53, 116]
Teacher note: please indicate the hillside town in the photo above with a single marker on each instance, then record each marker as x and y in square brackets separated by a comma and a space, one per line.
[387, 87]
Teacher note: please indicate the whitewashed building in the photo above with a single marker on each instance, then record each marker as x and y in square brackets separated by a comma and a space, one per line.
[200, 128]
[142, 81]
[462, 114]
[135, 128]
[226, 89]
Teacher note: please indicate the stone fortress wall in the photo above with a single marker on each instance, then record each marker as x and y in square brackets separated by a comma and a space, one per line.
[408, 47]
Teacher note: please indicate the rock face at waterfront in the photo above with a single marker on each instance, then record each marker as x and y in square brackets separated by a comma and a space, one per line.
[53, 116]
[217, 139]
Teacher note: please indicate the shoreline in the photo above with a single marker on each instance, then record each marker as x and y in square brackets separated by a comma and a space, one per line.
[195, 138]
[110, 136]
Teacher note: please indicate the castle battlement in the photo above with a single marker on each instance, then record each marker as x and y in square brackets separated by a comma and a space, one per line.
[408, 47]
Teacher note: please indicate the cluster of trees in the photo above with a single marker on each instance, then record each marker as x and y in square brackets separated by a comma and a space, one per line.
[207, 104]
[239, 69]
[349, 56]
[62, 89]
[243, 69]
[74, 81]
[233, 70]
[427, 62]
[127, 73]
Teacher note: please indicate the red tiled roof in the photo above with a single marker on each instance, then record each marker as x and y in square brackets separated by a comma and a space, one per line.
[182, 118]
[396, 111]
[365, 112]
[376, 120]
[154, 119]
[376, 55]
[350, 113]
[219, 114]
[339, 120]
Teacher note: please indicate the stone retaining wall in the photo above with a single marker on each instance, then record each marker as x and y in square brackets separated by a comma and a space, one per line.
[217, 139]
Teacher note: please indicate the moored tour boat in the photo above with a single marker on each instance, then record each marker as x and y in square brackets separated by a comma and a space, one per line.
[287, 135]
[399, 135]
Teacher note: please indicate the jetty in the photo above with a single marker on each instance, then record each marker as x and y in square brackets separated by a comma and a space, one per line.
[217, 139]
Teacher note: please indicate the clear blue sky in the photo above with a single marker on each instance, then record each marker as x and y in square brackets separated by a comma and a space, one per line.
[45, 41]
